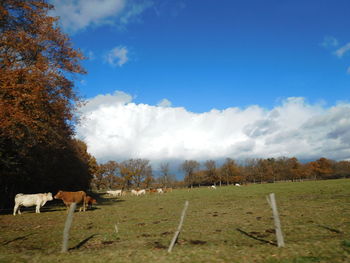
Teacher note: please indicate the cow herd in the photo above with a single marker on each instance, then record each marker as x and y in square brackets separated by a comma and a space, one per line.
[39, 200]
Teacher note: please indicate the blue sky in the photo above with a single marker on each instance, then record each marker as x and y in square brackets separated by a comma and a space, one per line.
[200, 55]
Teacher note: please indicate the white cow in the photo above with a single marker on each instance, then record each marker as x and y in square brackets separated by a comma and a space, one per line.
[115, 193]
[141, 192]
[160, 191]
[30, 200]
[237, 184]
[138, 192]
[213, 186]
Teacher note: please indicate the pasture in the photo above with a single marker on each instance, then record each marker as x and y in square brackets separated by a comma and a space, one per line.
[229, 224]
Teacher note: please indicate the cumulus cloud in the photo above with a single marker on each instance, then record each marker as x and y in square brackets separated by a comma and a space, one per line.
[79, 14]
[115, 128]
[342, 51]
[118, 56]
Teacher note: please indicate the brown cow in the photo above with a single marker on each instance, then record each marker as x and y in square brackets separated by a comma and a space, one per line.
[72, 197]
[90, 201]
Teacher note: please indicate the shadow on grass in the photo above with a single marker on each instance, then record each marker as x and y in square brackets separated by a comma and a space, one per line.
[330, 229]
[81, 243]
[102, 201]
[16, 239]
[255, 237]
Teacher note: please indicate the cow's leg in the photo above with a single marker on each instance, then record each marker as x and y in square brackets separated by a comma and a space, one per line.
[37, 209]
[84, 204]
[15, 209]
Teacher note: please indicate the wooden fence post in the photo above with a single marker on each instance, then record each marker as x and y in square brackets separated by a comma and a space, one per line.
[67, 226]
[272, 202]
[178, 228]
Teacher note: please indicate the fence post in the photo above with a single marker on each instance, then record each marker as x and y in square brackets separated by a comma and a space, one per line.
[67, 226]
[272, 202]
[178, 228]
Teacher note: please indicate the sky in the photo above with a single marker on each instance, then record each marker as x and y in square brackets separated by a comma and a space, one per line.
[205, 79]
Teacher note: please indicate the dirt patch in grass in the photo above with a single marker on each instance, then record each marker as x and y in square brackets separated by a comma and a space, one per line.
[158, 245]
[198, 242]
[166, 233]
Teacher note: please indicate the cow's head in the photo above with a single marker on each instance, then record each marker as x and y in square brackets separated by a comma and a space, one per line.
[58, 195]
[49, 196]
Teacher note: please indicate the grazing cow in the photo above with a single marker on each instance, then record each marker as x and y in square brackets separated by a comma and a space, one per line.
[89, 202]
[167, 190]
[213, 186]
[72, 197]
[115, 193]
[138, 192]
[152, 191]
[160, 191]
[141, 192]
[237, 184]
[30, 200]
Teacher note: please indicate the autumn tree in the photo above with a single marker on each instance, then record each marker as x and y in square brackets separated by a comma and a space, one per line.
[342, 169]
[211, 172]
[189, 167]
[136, 172]
[230, 171]
[37, 102]
[321, 168]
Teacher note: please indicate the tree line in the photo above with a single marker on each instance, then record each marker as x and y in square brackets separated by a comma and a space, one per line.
[138, 173]
[258, 170]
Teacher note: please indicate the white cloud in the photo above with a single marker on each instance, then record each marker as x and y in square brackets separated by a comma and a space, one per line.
[115, 128]
[329, 41]
[118, 56]
[342, 51]
[164, 103]
[79, 14]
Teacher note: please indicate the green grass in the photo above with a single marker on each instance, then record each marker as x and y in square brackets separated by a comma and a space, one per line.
[230, 224]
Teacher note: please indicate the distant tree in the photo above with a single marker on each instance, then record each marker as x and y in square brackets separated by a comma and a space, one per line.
[166, 179]
[321, 168]
[135, 171]
[211, 172]
[250, 169]
[342, 169]
[190, 167]
[230, 171]
[110, 174]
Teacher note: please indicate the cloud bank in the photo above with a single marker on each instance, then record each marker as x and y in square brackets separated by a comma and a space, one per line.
[79, 14]
[115, 128]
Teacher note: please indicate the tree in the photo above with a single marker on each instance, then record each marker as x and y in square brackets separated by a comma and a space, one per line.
[211, 172]
[190, 167]
[165, 179]
[321, 168]
[37, 102]
[230, 171]
[135, 171]
[342, 169]
[110, 174]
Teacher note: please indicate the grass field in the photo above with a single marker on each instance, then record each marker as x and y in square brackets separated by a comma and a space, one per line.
[230, 224]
